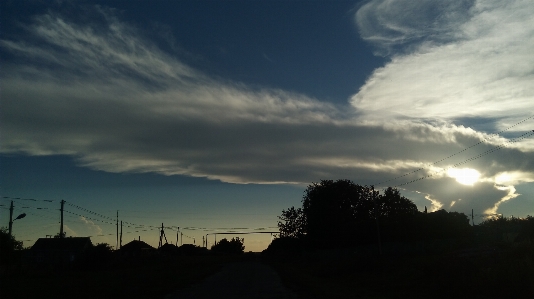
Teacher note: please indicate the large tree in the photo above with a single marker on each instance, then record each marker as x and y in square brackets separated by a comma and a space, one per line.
[396, 216]
[338, 213]
[292, 223]
[233, 247]
[8, 245]
[393, 205]
[342, 213]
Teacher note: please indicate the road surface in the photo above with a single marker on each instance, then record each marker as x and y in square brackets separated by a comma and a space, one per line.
[250, 279]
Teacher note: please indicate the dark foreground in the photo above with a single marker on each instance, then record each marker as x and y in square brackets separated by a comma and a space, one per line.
[239, 280]
[480, 274]
[468, 274]
[153, 277]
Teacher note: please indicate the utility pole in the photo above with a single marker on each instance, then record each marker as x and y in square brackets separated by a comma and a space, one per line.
[377, 225]
[472, 217]
[161, 236]
[61, 233]
[120, 244]
[117, 244]
[181, 238]
[10, 218]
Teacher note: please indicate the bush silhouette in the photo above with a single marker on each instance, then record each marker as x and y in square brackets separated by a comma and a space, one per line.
[232, 247]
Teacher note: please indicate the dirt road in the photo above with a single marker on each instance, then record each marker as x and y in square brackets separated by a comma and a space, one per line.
[250, 279]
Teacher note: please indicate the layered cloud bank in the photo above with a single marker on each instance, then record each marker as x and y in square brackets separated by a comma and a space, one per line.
[463, 62]
[109, 97]
[472, 60]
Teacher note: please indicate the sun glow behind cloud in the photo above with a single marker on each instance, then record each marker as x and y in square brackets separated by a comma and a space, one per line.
[465, 176]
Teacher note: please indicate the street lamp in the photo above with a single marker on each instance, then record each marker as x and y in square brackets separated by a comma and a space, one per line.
[20, 216]
[11, 217]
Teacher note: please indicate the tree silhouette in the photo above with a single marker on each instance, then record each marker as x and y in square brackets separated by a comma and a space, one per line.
[501, 226]
[292, 223]
[8, 245]
[234, 246]
[339, 210]
[98, 256]
[350, 214]
[396, 216]
[394, 206]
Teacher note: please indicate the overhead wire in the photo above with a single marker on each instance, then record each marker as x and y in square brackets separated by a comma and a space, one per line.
[28, 199]
[491, 136]
[175, 228]
[487, 152]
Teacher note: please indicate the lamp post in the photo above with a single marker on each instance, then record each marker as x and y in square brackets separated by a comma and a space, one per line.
[11, 220]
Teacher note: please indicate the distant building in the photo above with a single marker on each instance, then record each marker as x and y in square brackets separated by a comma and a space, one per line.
[59, 252]
[137, 248]
[169, 249]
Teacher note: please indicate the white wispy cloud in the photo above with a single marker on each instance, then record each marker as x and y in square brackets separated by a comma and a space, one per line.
[390, 23]
[106, 95]
[91, 227]
[455, 62]
[486, 70]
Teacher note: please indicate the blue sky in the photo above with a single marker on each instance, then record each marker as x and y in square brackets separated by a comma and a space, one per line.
[215, 115]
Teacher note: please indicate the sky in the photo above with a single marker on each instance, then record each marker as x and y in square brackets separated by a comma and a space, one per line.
[214, 116]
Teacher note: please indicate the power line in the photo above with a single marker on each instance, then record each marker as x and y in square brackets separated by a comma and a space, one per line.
[457, 153]
[88, 217]
[29, 199]
[521, 137]
[89, 211]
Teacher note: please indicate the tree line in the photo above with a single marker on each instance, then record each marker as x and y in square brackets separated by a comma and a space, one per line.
[337, 214]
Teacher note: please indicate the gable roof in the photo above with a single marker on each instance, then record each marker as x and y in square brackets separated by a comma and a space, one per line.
[136, 245]
[168, 247]
[76, 244]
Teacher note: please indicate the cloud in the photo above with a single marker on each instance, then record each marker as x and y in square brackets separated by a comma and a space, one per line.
[392, 23]
[455, 62]
[105, 94]
[485, 71]
[69, 232]
[93, 229]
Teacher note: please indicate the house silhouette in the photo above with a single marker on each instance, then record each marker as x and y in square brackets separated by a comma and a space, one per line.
[60, 252]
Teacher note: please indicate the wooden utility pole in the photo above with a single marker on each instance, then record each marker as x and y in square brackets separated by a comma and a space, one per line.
[120, 243]
[10, 218]
[117, 243]
[472, 217]
[377, 226]
[161, 236]
[61, 233]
